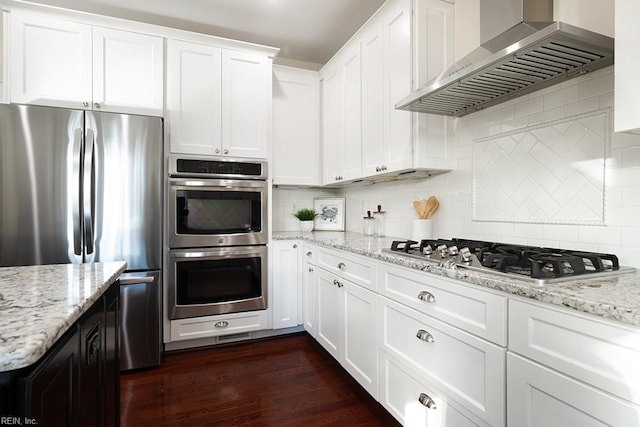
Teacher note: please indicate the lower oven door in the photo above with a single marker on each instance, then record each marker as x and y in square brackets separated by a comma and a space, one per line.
[217, 281]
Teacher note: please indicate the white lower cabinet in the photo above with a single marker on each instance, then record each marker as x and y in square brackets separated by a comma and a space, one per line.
[346, 326]
[566, 368]
[309, 299]
[416, 404]
[466, 368]
[285, 283]
[541, 397]
[211, 326]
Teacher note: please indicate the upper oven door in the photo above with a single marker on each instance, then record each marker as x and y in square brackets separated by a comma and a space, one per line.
[217, 212]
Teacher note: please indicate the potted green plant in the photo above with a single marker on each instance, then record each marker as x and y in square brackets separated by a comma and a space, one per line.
[306, 216]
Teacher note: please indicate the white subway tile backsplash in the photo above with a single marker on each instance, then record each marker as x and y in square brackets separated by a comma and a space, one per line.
[631, 196]
[600, 235]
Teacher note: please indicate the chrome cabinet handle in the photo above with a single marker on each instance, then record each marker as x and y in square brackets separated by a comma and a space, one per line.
[310, 270]
[335, 282]
[295, 246]
[221, 324]
[383, 168]
[85, 104]
[340, 284]
[225, 151]
[426, 401]
[309, 253]
[378, 169]
[96, 105]
[426, 296]
[217, 151]
[424, 336]
[342, 266]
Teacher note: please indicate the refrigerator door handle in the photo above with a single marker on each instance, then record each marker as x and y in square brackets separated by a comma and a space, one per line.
[136, 280]
[88, 190]
[76, 194]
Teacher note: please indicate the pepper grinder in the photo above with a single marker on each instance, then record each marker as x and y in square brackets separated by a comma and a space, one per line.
[368, 224]
[379, 228]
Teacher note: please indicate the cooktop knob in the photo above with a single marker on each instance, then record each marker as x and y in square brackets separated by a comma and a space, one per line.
[465, 255]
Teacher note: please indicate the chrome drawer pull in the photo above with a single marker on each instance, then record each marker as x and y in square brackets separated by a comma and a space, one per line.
[427, 401]
[309, 253]
[424, 336]
[426, 296]
[295, 246]
[342, 266]
[221, 324]
[310, 270]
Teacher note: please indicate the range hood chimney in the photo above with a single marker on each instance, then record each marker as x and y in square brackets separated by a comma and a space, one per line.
[522, 50]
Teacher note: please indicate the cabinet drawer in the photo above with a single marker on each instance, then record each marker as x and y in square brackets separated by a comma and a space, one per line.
[479, 312]
[414, 403]
[211, 326]
[468, 369]
[595, 351]
[541, 397]
[357, 269]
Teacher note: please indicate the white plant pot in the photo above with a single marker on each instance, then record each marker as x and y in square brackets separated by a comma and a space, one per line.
[306, 226]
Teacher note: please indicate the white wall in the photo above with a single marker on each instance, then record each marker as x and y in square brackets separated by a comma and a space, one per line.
[620, 236]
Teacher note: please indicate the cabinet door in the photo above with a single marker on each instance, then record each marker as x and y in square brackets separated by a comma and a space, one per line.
[329, 313]
[332, 135]
[433, 52]
[127, 72]
[296, 127]
[50, 62]
[194, 98]
[4, 53]
[51, 392]
[540, 397]
[285, 284]
[373, 107]
[397, 84]
[246, 104]
[352, 113]
[359, 332]
[627, 84]
[310, 299]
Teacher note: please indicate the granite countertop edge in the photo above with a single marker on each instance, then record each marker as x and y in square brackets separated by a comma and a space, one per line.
[616, 298]
[40, 303]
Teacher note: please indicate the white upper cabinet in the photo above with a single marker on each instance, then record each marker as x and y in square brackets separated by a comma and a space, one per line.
[295, 126]
[194, 98]
[342, 116]
[627, 84]
[433, 53]
[127, 72]
[62, 63]
[386, 78]
[218, 101]
[246, 104]
[4, 42]
[50, 61]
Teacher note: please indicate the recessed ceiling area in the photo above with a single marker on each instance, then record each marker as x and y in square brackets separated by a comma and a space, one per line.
[306, 31]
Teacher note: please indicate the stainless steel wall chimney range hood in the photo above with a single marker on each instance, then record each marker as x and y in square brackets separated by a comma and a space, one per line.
[530, 55]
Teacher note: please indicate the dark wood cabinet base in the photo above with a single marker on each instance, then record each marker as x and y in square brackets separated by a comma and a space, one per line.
[77, 382]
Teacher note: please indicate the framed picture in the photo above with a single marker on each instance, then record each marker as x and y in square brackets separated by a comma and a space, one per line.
[330, 213]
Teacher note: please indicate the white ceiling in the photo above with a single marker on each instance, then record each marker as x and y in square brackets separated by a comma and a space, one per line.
[309, 31]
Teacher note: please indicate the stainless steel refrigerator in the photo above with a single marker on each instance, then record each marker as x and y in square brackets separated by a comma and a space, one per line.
[79, 186]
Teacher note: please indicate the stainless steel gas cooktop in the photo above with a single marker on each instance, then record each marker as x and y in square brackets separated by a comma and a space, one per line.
[538, 265]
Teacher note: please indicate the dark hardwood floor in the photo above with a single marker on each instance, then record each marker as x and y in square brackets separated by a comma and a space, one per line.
[284, 381]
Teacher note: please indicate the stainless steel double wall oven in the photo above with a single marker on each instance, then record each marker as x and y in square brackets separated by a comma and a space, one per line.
[217, 236]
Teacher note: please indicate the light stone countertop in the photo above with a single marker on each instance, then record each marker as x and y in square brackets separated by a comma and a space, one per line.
[616, 298]
[39, 303]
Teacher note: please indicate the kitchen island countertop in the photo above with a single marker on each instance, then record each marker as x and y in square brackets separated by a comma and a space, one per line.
[616, 298]
[39, 303]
